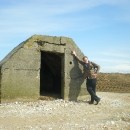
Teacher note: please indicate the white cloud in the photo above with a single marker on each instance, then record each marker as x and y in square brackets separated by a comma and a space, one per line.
[122, 68]
[115, 54]
[49, 7]
[36, 16]
[108, 60]
[5, 45]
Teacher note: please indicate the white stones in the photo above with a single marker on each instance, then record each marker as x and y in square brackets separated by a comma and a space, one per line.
[60, 114]
[112, 122]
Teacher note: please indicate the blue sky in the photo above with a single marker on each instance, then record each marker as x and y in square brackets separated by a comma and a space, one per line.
[100, 28]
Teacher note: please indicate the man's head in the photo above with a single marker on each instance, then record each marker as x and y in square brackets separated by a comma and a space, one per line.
[85, 59]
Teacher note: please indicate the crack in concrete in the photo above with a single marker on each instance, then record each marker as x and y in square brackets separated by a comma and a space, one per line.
[42, 43]
[28, 69]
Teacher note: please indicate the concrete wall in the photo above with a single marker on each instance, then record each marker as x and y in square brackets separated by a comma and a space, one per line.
[19, 75]
[74, 83]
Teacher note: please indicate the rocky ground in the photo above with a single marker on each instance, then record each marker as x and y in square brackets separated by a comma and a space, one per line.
[112, 113]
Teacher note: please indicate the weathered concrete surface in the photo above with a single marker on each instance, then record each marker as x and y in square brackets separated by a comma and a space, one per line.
[20, 69]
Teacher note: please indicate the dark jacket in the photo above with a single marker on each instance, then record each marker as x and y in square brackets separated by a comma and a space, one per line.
[89, 69]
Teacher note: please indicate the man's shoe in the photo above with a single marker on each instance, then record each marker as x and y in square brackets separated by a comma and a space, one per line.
[91, 102]
[97, 101]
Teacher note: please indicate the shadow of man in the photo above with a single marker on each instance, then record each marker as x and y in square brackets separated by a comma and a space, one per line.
[76, 80]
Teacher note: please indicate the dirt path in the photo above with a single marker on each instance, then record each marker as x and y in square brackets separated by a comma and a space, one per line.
[112, 113]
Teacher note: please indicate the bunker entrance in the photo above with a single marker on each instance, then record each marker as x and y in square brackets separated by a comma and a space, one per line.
[50, 75]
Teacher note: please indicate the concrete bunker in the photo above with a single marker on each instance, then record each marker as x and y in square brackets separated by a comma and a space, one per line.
[42, 65]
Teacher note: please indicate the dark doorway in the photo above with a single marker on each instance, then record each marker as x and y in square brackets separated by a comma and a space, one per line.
[50, 74]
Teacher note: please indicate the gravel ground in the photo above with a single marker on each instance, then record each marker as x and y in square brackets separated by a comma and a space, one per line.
[112, 113]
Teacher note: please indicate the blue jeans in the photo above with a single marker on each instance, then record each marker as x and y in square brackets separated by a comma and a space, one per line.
[91, 88]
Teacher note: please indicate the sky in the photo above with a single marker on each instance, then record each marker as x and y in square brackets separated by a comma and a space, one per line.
[100, 28]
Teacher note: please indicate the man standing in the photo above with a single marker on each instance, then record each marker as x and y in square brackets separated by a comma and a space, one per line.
[90, 73]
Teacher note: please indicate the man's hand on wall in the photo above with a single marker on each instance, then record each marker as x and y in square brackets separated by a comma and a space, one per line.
[73, 52]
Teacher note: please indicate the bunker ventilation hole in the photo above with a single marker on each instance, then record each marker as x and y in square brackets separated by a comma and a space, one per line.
[70, 62]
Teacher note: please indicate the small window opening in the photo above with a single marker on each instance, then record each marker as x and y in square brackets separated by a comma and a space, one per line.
[70, 62]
